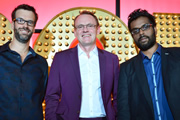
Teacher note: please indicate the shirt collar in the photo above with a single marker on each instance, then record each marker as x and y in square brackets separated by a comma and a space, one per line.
[94, 51]
[158, 51]
[5, 47]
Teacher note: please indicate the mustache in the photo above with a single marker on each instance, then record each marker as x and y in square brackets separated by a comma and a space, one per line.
[25, 28]
[143, 36]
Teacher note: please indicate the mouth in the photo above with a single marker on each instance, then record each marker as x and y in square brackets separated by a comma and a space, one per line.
[86, 35]
[24, 31]
[143, 39]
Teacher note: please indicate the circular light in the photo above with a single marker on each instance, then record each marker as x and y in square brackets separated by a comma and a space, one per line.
[106, 18]
[60, 17]
[113, 18]
[119, 45]
[54, 24]
[9, 31]
[120, 51]
[112, 38]
[67, 17]
[39, 43]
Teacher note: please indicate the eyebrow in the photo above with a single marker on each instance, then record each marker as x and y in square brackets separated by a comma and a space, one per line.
[24, 19]
[141, 26]
[85, 24]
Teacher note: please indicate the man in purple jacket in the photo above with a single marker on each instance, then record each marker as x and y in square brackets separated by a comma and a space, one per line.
[82, 79]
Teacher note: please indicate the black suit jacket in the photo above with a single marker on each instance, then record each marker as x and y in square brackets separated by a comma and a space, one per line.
[134, 98]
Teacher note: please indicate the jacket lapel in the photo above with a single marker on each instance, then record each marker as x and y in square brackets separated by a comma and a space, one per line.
[142, 79]
[164, 64]
[164, 54]
[75, 64]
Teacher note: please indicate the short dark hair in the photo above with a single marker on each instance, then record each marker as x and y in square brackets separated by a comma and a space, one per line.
[25, 7]
[139, 13]
[88, 13]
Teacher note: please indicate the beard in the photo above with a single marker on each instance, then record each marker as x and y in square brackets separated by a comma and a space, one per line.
[22, 38]
[151, 42]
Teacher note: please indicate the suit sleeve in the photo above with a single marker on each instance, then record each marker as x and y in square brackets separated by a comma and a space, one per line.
[122, 96]
[53, 90]
[116, 75]
[45, 78]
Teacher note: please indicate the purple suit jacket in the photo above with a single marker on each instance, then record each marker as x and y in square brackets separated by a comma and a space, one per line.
[63, 95]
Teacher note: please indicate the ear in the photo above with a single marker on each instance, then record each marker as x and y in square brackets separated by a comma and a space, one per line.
[75, 32]
[98, 30]
[34, 30]
[12, 25]
[155, 30]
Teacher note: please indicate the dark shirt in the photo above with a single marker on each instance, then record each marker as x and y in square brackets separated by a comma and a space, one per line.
[22, 85]
[153, 71]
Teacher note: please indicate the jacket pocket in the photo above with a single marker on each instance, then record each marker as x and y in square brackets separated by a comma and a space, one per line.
[61, 110]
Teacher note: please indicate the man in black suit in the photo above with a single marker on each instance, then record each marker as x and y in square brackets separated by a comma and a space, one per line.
[149, 83]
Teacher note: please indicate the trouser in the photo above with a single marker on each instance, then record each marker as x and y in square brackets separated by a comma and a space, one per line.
[98, 118]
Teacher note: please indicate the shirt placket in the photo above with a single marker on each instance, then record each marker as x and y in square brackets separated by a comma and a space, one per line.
[90, 86]
[155, 88]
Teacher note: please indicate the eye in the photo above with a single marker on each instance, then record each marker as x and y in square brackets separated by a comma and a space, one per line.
[20, 20]
[135, 31]
[90, 25]
[145, 26]
[80, 26]
[30, 22]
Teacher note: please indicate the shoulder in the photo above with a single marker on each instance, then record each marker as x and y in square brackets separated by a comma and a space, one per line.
[131, 63]
[41, 60]
[4, 47]
[107, 54]
[66, 52]
[172, 51]
[132, 60]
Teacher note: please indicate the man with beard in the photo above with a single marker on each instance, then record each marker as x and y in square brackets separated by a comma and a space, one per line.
[148, 86]
[24, 73]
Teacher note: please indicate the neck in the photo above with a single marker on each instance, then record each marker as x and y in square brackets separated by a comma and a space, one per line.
[151, 51]
[87, 49]
[21, 48]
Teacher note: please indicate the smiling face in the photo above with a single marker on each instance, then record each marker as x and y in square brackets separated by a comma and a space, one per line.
[144, 39]
[23, 32]
[86, 30]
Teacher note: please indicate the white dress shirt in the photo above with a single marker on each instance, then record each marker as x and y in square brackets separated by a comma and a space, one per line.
[92, 103]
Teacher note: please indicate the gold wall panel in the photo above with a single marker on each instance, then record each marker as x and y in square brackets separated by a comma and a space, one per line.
[6, 32]
[168, 29]
[58, 34]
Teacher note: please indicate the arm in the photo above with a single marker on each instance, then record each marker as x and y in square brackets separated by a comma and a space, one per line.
[122, 96]
[45, 78]
[53, 90]
[116, 75]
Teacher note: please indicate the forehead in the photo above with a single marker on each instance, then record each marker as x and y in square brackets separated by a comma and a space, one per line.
[139, 22]
[25, 14]
[85, 19]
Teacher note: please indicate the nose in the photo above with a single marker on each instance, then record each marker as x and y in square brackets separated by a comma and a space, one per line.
[85, 28]
[25, 24]
[141, 32]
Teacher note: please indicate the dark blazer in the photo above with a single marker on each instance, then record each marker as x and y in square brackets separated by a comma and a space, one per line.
[65, 83]
[134, 98]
